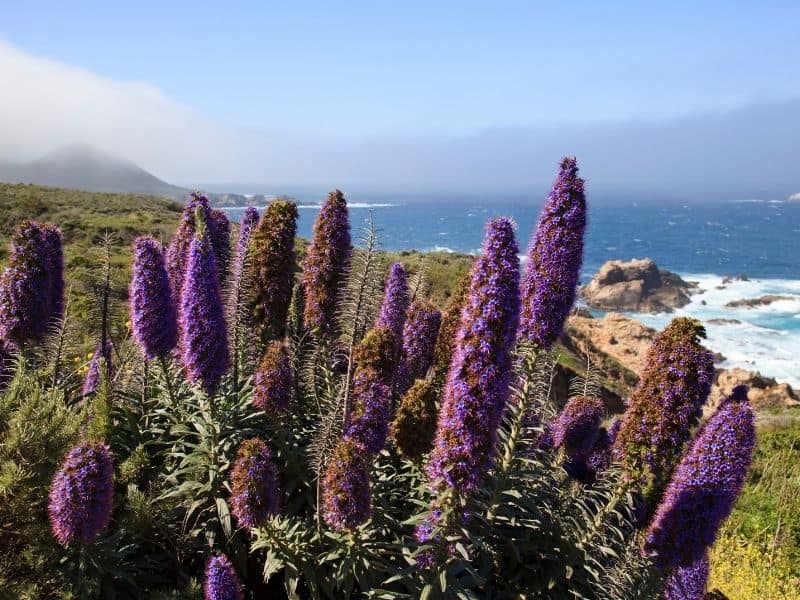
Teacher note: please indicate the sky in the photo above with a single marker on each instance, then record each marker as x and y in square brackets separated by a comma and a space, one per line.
[653, 97]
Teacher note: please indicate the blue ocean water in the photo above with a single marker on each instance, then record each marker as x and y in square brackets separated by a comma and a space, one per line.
[701, 241]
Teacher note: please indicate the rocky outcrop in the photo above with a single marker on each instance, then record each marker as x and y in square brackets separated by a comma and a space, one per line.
[765, 392]
[638, 285]
[756, 302]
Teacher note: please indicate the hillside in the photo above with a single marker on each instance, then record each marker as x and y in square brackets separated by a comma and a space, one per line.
[83, 168]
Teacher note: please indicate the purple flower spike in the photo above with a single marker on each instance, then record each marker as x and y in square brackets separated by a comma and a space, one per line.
[155, 325]
[477, 386]
[203, 333]
[222, 582]
[346, 494]
[419, 338]
[705, 485]
[246, 226]
[55, 266]
[273, 262]
[254, 485]
[178, 250]
[81, 494]
[577, 427]
[395, 302]
[27, 285]
[326, 262]
[368, 423]
[272, 382]
[665, 406]
[554, 259]
[93, 375]
[219, 231]
[688, 583]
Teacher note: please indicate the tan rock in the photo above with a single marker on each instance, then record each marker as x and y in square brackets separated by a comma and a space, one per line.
[616, 335]
[765, 392]
[638, 285]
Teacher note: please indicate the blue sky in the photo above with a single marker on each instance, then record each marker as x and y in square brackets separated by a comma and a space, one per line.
[363, 68]
[681, 98]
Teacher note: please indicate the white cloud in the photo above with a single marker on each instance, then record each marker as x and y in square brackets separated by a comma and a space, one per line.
[46, 105]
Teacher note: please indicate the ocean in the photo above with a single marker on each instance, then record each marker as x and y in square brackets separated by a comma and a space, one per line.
[702, 242]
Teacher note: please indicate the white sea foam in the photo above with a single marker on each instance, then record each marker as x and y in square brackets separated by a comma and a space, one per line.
[766, 338]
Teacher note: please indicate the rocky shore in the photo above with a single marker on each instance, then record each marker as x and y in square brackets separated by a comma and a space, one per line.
[616, 346]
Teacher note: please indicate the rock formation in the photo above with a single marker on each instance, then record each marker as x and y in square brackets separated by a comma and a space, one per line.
[638, 285]
[755, 302]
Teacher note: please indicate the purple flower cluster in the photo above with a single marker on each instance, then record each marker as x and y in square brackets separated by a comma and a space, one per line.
[705, 485]
[254, 485]
[419, 338]
[153, 315]
[54, 245]
[272, 263]
[272, 382]
[478, 382]
[599, 459]
[203, 334]
[218, 232]
[32, 285]
[246, 225]
[577, 428]
[395, 302]
[101, 356]
[368, 423]
[326, 262]
[81, 494]
[688, 583]
[346, 495]
[555, 256]
[222, 582]
[664, 407]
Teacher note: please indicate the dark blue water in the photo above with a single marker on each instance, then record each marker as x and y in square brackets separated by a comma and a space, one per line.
[760, 239]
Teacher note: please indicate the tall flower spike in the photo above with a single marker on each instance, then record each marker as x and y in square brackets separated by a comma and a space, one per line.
[576, 429]
[203, 333]
[272, 262]
[26, 292]
[705, 485]
[395, 302]
[81, 494]
[346, 494]
[415, 423]
[55, 266]
[688, 583]
[246, 227]
[477, 386]
[326, 262]
[445, 341]
[222, 582]
[178, 250]
[664, 407]
[419, 337]
[254, 485]
[272, 382]
[554, 259]
[219, 231]
[368, 422]
[153, 315]
[91, 382]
